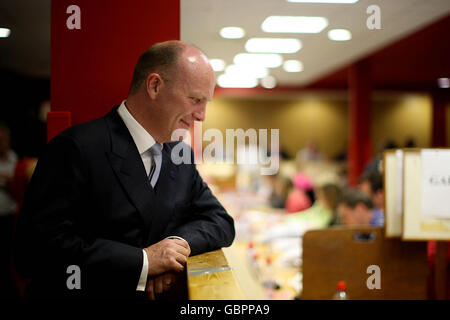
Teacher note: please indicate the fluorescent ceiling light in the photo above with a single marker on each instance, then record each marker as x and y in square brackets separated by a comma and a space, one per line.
[444, 82]
[268, 60]
[232, 32]
[217, 64]
[230, 81]
[323, 1]
[290, 24]
[269, 82]
[293, 66]
[339, 35]
[252, 71]
[273, 45]
[4, 32]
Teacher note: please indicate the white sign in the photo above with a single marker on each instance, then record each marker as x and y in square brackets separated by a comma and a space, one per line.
[399, 183]
[436, 183]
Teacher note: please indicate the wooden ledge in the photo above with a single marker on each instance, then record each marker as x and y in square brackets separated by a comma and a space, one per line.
[210, 277]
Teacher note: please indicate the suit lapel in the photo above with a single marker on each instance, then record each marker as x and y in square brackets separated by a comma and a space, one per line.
[129, 169]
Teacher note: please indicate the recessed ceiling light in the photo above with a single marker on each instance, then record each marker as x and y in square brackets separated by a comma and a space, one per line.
[293, 66]
[232, 32]
[231, 81]
[323, 1]
[252, 71]
[4, 32]
[268, 60]
[269, 82]
[444, 83]
[217, 64]
[273, 45]
[290, 24]
[339, 35]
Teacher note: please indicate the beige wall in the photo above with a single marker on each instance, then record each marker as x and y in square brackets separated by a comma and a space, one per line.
[402, 117]
[298, 120]
[324, 119]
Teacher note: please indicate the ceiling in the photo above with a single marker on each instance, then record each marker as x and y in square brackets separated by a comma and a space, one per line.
[27, 50]
[414, 62]
[202, 20]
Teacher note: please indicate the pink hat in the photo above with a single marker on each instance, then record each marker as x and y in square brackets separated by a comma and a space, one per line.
[302, 182]
[296, 201]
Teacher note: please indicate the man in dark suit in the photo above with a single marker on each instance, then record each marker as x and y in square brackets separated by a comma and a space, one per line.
[106, 200]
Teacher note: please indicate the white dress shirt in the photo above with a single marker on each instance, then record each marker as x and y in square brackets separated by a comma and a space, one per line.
[144, 141]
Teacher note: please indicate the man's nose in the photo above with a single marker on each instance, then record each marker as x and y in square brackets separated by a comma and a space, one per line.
[199, 115]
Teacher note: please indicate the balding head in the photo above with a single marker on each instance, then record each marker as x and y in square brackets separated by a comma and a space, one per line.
[168, 59]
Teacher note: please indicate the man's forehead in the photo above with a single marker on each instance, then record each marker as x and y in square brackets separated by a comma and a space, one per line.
[205, 94]
[201, 85]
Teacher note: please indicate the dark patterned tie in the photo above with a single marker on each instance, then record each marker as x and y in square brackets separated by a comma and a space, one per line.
[155, 169]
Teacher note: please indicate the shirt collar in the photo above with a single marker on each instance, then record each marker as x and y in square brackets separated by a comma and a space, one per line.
[141, 137]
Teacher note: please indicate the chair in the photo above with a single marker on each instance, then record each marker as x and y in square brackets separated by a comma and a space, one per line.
[345, 253]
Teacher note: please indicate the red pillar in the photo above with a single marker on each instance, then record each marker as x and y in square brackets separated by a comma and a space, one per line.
[360, 148]
[91, 67]
[439, 138]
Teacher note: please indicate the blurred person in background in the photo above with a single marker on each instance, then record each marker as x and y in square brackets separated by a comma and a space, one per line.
[283, 153]
[356, 209]
[410, 143]
[372, 184]
[281, 186]
[22, 176]
[310, 152]
[8, 160]
[301, 197]
[323, 213]
[341, 156]
[375, 164]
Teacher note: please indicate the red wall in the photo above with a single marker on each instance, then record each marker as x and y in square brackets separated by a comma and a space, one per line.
[91, 68]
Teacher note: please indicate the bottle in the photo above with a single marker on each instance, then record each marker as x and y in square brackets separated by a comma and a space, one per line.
[269, 275]
[341, 294]
[268, 279]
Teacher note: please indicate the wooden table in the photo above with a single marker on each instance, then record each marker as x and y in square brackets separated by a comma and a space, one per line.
[210, 277]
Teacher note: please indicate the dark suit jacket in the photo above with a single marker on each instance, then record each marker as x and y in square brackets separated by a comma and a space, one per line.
[90, 204]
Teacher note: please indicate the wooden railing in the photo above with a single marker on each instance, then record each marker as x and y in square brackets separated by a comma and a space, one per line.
[210, 277]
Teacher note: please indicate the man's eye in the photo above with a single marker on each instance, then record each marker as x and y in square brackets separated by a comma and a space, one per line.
[196, 100]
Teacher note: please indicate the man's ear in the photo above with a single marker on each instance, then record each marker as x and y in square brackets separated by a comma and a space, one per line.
[153, 84]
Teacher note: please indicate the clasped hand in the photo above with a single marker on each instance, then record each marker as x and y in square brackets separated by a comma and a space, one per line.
[166, 259]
